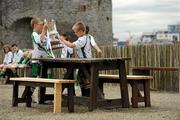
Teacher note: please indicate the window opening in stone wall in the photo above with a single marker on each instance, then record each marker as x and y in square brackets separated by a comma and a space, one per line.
[107, 18]
[82, 8]
[99, 2]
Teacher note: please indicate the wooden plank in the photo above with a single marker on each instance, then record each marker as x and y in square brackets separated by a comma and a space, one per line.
[129, 77]
[30, 79]
[57, 97]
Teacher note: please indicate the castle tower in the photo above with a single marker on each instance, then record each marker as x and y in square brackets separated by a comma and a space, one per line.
[15, 17]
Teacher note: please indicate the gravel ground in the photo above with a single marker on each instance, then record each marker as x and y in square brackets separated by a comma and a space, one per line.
[165, 106]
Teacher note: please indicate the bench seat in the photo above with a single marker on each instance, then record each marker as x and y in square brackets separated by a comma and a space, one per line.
[42, 82]
[133, 80]
[146, 70]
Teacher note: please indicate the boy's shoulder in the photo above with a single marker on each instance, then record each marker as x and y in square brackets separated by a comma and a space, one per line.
[9, 53]
[84, 37]
[34, 33]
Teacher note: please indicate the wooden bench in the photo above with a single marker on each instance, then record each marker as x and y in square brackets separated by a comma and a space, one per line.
[22, 70]
[145, 70]
[133, 80]
[42, 82]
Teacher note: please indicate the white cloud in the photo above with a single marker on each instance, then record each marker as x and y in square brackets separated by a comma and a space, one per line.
[141, 15]
[126, 3]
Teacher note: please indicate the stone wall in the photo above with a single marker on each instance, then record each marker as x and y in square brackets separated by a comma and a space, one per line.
[15, 16]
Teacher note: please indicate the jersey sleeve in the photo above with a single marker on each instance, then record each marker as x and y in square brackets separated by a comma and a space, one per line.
[80, 42]
[36, 37]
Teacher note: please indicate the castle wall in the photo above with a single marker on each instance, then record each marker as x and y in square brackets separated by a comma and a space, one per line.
[16, 15]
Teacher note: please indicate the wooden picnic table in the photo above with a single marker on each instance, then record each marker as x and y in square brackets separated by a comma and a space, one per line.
[95, 65]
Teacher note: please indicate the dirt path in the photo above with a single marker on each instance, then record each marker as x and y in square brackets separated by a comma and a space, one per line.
[165, 106]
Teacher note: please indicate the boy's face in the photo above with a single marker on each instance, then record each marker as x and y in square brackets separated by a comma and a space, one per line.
[6, 49]
[39, 26]
[14, 49]
[79, 33]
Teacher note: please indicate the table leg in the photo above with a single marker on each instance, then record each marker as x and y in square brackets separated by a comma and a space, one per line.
[57, 97]
[71, 97]
[93, 88]
[147, 93]
[123, 84]
[42, 90]
[15, 94]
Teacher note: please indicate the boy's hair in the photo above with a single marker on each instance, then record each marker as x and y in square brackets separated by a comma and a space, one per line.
[66, 36]
[79, 26]
[14, 45]
[6, 46]
[35, 21]
[87, 29]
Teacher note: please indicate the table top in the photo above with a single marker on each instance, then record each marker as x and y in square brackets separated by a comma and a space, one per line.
[80, 60]
[155, 68]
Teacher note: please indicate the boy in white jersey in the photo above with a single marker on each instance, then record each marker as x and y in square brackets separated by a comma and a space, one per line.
[83, 49]
[17, 53]
[7, 59]
[82, 44]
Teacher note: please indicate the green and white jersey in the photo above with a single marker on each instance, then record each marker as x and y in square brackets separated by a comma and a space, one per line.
[38, 47]
[36, 40]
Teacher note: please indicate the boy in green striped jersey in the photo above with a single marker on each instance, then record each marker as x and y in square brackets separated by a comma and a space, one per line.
[39, 43]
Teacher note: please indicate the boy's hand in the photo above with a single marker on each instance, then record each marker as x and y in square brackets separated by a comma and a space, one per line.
[45, 27]
[99, 51]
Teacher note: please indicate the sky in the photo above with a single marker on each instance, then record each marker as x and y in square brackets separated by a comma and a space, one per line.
[133, 17]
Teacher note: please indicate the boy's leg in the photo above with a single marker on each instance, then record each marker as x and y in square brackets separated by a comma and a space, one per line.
[84, 90]
[3, 71]
[2, 74]
[36, 67]
[26, 60]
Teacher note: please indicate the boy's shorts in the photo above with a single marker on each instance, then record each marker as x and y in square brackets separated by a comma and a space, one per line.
[36, 68]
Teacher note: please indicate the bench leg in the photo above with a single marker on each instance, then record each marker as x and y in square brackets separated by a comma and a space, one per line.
[147, 93]
[135, 94]
[101, 86]
[41, 95]
[57, 97]
[15, 94]
[28, 96]
[71, 97]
